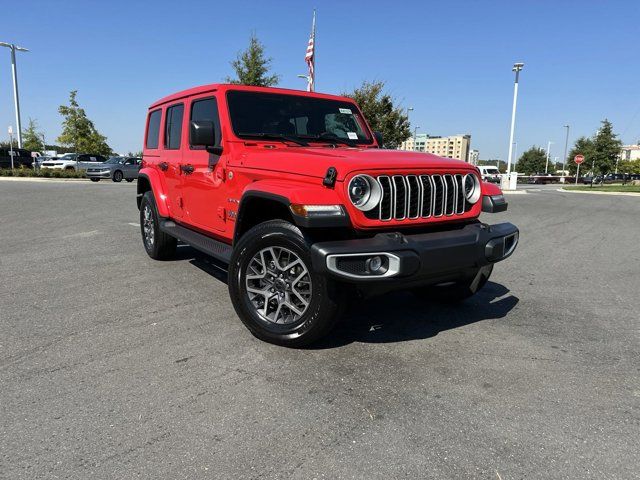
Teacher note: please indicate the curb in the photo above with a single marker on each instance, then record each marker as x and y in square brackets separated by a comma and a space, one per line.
[514, 192]
[620, 194]
[42, 179]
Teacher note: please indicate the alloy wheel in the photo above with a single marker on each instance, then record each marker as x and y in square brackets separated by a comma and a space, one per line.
[278, 285]
[147, 226]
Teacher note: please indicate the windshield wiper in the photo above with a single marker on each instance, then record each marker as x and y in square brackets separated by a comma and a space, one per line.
[276, 136]
[331, 138]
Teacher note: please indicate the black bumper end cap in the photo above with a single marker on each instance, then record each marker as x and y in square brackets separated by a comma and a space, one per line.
[494, 203]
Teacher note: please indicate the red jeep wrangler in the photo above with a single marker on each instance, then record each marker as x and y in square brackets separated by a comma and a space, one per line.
[293, 191]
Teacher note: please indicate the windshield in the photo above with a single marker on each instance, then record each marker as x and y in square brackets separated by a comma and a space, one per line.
[492, 171]
[114, 160]
[68, 156]
[257, 114]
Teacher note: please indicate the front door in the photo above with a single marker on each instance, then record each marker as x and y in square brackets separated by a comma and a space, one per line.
[204, 173]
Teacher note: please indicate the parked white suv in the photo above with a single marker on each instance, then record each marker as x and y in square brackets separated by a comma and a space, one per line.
[68, 161]
[489, 173]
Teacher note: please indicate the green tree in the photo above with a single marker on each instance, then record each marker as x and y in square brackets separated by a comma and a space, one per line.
[31, 137]
[629, 166]
[600, 151]
[583, 146]
[532, 161]
[252, 67]
[78, 131]
[381, 113]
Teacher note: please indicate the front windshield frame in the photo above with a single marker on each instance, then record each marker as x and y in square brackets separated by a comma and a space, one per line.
[364, 134]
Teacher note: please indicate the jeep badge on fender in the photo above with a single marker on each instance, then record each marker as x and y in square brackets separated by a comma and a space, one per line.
[321, 211]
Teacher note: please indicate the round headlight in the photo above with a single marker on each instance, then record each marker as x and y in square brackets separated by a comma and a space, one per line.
[364, 192]
[472, 188]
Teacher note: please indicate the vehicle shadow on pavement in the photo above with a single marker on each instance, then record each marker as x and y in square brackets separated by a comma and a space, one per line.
[394, 317]
[401, 316]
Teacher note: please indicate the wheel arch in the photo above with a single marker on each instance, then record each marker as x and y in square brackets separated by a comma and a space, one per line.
[258, 206]
[149, 180]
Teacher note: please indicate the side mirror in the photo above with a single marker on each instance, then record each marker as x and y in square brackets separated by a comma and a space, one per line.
[202, 133]
[379, 140]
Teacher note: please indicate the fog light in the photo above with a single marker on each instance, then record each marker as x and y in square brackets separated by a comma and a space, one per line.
[374, 264]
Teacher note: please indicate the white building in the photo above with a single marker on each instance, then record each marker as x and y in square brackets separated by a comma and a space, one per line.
[630, 152]
[474, 156]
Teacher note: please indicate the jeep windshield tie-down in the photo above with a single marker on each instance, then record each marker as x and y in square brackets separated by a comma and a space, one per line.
[293, 192]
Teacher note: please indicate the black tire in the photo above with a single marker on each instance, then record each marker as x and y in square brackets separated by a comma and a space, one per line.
[457, 291]
[117, 176]
[324, 299]
[70, 168]
[129, 180]
[159, 245]
[95, 179]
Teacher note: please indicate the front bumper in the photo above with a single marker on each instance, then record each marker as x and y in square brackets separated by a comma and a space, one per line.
[425, 258]
[106, 174]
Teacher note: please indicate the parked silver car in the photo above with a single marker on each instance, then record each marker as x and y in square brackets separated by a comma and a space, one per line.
[117, 169]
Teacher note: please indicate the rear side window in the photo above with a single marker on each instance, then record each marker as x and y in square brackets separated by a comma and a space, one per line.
[173, 128]
[206, 109]
[153, 130]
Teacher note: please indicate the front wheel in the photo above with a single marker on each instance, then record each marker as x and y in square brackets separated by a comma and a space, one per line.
[117, 176]
[274, 289]
[455, 292]
[158, 245]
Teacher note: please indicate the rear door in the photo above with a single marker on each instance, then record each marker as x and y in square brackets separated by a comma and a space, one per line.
[171, 157]
[204, 175]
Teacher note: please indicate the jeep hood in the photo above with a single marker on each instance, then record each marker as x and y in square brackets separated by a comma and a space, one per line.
[314, 161]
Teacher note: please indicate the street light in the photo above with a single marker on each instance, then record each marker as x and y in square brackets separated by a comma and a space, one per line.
[546, 167]
[307, 78]
[415, 137]
[566, 145]
[14, 70]
[516, 68]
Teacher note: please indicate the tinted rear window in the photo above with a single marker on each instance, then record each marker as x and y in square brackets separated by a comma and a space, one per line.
[153, 130]
[173, 130]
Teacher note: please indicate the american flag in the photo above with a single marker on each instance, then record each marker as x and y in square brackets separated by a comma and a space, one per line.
[310, 56]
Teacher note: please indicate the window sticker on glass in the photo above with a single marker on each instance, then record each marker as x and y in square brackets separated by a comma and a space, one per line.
[352, 135]
[345, 110]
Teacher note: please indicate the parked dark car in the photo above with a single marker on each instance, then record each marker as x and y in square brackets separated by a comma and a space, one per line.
[21, 157]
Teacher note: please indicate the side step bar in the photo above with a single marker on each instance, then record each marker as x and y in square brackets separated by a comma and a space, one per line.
[208, 245]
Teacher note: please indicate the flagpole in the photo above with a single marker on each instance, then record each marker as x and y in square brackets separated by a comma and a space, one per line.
[313, 79]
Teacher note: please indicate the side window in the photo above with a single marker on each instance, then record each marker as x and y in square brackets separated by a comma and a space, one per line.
[130, 161]
[153, 130]
[173, 127]
[206, 109]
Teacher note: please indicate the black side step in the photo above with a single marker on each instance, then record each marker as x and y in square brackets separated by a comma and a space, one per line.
[208, 245]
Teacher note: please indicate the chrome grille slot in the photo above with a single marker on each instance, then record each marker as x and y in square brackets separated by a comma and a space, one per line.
[386, 204]
[414, 195]
[420, 196]
[450, 195]
[460, 198]
[439, 195]
[400, 197]
[427, 196]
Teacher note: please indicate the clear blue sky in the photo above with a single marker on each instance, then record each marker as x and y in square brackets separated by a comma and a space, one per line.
[450, 60]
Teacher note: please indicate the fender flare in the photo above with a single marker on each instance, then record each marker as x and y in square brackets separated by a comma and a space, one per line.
[155, 185]
[288, 192]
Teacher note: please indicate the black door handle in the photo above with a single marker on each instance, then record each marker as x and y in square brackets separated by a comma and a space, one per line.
[163, 166]
[187, 169]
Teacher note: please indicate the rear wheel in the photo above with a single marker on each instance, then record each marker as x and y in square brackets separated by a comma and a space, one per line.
[95, 179]
[117, 176]
[274, 290]
[158, 245]
[455, 292]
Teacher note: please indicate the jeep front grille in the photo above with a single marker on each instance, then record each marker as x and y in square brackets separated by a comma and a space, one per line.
[420, 196]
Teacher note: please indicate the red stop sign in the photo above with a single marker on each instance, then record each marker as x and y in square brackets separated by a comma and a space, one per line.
[578, 159]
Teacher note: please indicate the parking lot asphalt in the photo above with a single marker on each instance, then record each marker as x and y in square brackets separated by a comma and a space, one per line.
[113, 365]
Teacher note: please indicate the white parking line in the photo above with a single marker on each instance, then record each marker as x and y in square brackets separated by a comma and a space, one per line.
[133, 224]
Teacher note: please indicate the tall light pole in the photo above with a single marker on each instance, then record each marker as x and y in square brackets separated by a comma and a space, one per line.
[415, 137]
[409, 109]
[546, 167]
[516, 68]
[16, 100]
[566, 145]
